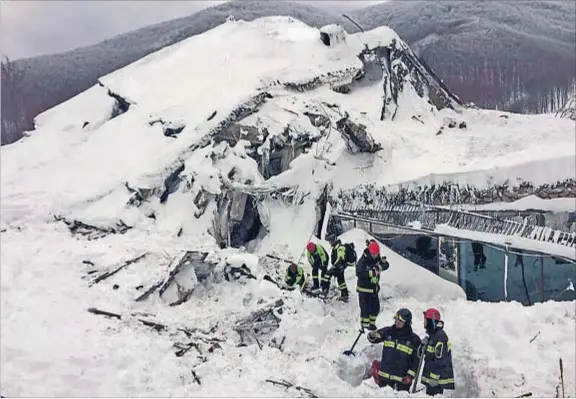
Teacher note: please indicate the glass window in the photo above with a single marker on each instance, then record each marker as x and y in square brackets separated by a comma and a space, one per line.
[533, 277]
[482, 271]
[448, 264]
[420, 249]
[523, 276]
[559, 279]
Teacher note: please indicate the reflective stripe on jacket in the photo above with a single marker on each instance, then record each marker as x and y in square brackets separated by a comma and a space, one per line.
[438, 360]
[400, 353]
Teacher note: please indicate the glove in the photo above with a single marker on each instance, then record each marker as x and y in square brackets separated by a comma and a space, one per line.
[433, 383]
[373, 336]
[425, 341]
[407, 380]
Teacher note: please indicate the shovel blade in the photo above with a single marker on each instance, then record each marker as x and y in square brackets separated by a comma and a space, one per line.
[348, 353]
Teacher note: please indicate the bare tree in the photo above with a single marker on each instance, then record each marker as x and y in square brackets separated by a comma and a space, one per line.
[13, 106]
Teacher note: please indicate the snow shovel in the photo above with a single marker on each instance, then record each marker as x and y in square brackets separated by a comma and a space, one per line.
[350, 352]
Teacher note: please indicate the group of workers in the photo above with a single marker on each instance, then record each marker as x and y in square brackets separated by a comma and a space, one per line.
[403, 351]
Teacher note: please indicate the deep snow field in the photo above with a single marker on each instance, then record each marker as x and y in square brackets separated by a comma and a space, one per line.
[52, 346]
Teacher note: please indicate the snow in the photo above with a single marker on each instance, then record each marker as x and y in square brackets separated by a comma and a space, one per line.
[249, 54]
[249, 260]
[51, 346]
[479, 155]
[80, 354]
[73, 114]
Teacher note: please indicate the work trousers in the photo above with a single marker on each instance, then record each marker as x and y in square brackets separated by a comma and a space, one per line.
[339, 274]
[369, 309]
[319, 274]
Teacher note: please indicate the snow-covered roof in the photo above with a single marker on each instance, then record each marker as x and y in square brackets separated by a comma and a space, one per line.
[229, 63]
[331, 29]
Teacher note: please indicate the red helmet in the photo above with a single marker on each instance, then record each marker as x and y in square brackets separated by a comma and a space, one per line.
[311, 247]
[432, 314]
[373, 248]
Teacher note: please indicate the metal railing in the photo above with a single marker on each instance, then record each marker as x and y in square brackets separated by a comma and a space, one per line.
[428, 217]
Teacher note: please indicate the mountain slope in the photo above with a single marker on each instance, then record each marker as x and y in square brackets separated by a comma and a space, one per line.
[517, 56]
[52, 79]
[142, 196]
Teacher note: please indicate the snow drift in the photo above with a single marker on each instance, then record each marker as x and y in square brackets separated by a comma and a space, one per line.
[152, 185]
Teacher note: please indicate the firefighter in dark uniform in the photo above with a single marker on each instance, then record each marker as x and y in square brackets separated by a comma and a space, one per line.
[343, 255]
[318, 259]
[295, 277]
[437, 374]
[368, 271]
[400, 353]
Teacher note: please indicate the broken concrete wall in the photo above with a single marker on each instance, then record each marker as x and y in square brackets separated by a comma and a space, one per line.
[356, 137]
[332, 35]
[221, 220]
[236, 220]
[193, 268]
[260, 325]
[279, 160]
[238, 206]
[400, 66]
[248, 228]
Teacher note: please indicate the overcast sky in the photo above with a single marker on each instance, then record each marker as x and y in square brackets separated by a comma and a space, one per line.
[30, 28]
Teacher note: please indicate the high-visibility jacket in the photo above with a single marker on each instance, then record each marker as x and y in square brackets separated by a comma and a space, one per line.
[343, 255]
[368, 271]
[400, 353]
[318, 259]
[438, 359]
[298, 278]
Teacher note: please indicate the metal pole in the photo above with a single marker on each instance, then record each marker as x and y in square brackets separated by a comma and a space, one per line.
[506, 252]
[541, 279]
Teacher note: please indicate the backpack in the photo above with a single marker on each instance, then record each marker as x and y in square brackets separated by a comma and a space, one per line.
[351, 256]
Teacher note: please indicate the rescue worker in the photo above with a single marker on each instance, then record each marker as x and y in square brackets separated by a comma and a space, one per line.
[295, 277]
[318, 259]
[368, 271]
[343, 255]
[400, 353]
[437, 374]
